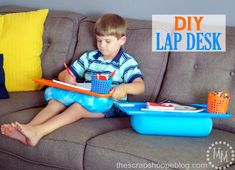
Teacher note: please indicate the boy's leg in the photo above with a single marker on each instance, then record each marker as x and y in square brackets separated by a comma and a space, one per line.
[53, 107]
[70, 115]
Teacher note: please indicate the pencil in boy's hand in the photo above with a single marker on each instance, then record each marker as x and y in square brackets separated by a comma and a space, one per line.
[68, 70]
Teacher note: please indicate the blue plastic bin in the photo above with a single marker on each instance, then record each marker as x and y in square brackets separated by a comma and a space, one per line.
[169, 123]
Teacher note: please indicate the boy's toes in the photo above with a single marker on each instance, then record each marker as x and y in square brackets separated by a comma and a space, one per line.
[18, 126]
[2, 129]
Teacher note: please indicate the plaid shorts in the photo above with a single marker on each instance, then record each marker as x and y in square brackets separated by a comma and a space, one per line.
[114, 111]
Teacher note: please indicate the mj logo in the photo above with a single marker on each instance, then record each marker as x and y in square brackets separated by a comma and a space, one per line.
[220, 155]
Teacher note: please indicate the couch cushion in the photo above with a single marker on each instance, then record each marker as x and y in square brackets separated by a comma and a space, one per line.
[21, 164]
[63, 148]
[126, 146]
[21, 100]
[59, 38]
[139, 45]
[190, 77]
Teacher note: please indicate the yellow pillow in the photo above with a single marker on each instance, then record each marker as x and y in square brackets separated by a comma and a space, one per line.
[21, 43]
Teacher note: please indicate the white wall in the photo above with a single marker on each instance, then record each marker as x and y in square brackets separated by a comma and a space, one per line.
[142, 9]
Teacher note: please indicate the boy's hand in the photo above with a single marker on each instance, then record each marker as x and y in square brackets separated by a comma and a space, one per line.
[119, 92]
[70, 79]
[135, 88]
[67, 78]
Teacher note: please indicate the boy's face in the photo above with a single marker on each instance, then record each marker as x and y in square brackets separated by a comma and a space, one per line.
[109, 45]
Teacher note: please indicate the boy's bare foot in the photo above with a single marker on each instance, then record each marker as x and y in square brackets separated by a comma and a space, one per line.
[12, 132]
[29, 132]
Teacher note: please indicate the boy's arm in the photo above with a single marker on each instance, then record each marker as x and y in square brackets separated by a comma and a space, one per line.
[77, 69]
[135, 88]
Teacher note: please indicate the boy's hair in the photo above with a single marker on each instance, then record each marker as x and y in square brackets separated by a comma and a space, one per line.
[110, 24]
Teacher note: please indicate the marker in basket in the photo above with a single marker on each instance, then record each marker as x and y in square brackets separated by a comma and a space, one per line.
[100, 77]
[223, 94]
[68, 70]
[112, 74]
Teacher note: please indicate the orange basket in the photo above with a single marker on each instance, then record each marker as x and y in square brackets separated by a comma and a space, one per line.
[218, 102]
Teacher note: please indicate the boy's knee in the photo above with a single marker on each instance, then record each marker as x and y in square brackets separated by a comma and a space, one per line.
[77, 105]
[52, 101]
[55, 103]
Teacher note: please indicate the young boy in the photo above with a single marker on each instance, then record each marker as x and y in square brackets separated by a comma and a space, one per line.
[110, 30]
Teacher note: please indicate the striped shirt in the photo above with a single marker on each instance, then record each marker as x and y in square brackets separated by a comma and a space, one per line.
[93, 62]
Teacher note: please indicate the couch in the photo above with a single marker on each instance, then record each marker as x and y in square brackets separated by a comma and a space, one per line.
[105, 144]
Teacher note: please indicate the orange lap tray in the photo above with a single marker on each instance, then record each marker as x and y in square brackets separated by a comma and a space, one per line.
[65, 87]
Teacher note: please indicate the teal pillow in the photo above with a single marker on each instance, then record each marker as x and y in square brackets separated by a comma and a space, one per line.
[3, 91]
